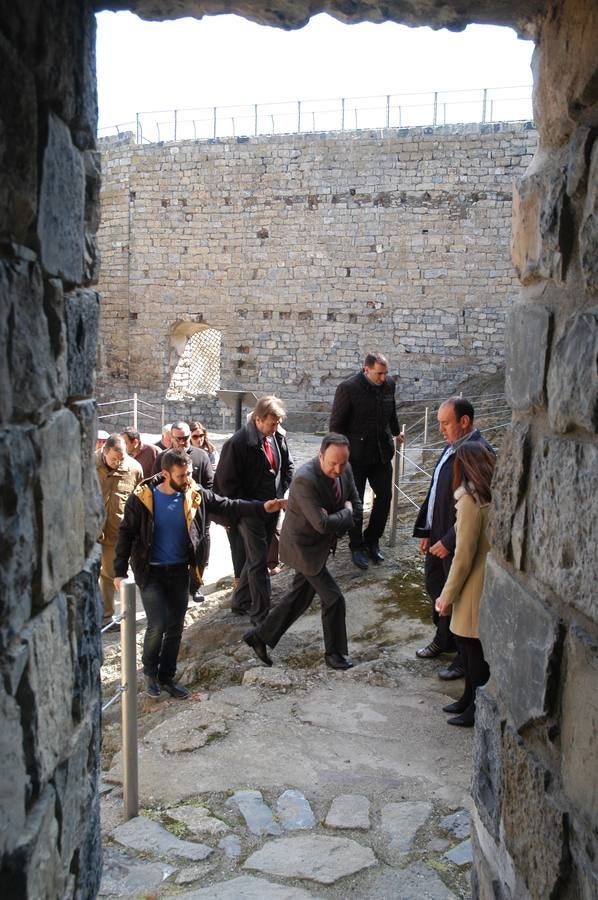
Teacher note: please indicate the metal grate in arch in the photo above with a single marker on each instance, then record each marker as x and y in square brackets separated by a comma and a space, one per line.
[198, 369]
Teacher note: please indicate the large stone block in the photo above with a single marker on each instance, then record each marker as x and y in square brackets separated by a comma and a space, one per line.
[33, 870]
[46, 690]
[509, 484]
[573, 376]
[563, 521]
[61, 216]
[537, 211]
[86, 413]
[28, 365]
[521, 643]
[579, 724]
[527, 343]
[75, 789]
[534, 827]
[18, 145]
[85, 614]
[60, 505]
[486, 785]
[588, 234]
[82, 320]
[15, 782]
[19, 535]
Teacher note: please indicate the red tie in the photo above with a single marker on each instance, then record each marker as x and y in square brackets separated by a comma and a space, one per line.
[269, 454]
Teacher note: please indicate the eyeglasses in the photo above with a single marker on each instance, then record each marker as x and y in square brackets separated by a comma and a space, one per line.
[181, 438]
[198, 434]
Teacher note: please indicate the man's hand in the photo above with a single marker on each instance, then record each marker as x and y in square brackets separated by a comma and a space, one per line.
[438, 549]
[442, 606]
[424, 544]
[117, 583]
[349, 505]
[272, 506]
[399, 439]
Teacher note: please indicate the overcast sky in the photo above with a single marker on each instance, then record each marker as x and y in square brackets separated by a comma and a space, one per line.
[226, 60]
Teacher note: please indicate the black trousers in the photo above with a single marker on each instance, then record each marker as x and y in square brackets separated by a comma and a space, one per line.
[436, 572]
[297, 601]
[379, 476]
[253, 592]
[477, 671]
[165, 597]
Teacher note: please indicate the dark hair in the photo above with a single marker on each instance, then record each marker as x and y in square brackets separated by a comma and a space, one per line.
[461, 406]
[372, 358]
[115, 442]
[269, 406]
[176, 457]
[473, 468]
[333, 439]
[132, 434]
[207, 443]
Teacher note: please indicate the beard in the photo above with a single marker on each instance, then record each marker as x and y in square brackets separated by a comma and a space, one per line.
[177, 487]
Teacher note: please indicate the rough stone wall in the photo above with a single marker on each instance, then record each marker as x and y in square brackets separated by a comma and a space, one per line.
[49, 513]
[306, 251]
[536, 742]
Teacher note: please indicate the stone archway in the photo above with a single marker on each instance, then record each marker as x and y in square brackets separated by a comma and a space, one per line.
[536, 784]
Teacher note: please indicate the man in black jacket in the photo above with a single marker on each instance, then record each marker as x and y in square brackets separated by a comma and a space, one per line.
[255, 464]
[364, 410]
[162, 534]
[435, 525]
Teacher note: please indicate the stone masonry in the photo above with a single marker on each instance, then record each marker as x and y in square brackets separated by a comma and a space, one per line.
[305, 251]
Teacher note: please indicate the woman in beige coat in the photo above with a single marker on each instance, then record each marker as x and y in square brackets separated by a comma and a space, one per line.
[472, 474]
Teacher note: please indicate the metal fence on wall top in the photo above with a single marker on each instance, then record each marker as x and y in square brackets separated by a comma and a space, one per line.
[400, 110]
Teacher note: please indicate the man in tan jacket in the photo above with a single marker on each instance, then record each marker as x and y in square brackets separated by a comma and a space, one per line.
[118, 475]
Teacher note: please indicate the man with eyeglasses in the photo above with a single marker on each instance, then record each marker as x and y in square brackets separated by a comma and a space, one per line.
[255, 464]
[202, 474]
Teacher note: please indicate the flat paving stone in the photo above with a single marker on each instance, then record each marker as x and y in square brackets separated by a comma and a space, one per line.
[189, 874]
[144, 834]
[274, 677]
[401, 821]
[415, 882]
[458, 823]
[198, 820]
[231, 845]
[294, 811]
[316, 858]
[123, 876]
[246, 887]
[185, 732]
[349, 811]
[461, 855]
[257, 814]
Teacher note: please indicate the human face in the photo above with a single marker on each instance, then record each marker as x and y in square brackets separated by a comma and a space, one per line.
[333, 461]
[452, 428]
[376, 373]
[198, 437]
[268, 425]
[112, 458]
[179, 478]
[132, 446]
[180, 437]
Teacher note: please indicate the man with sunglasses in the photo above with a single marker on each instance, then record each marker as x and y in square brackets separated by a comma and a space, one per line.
[203, 474]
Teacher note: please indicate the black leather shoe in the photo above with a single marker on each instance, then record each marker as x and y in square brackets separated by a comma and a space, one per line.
[152, 688]
[451, 673]
[431, 651]
[465, 719]
[239, 611]
[360, 559]
[197, 597]
[458, 706]
[258, 646]
[175, 690]
[336, 661]
[375, 555]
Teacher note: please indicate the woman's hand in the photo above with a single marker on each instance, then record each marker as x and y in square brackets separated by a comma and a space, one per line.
[442, 606]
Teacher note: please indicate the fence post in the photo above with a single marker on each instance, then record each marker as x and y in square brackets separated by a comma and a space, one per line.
[298, 116]
[215, 114]
[435, 117]
[388, 110]
[403, 445]
[426, 413]
[484, 104]
[255, 120]
[343, 114]
[175, 123]
[394, 500]
[137, 120]
[129, 700]
[135, 411]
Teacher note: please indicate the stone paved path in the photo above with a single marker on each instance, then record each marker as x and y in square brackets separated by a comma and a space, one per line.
[297, 782]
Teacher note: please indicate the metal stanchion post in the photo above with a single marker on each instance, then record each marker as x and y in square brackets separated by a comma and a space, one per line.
[403, 447]
[426, 413]
[394, 501]
[129, 700]
[135, 415]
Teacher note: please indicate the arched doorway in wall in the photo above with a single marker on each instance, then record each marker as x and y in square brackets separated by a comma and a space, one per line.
[198, 347]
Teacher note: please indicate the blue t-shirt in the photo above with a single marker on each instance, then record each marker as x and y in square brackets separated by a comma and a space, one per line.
[171, 538]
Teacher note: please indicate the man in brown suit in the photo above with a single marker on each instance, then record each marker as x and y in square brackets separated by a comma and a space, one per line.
[322, 501]
[118, 475]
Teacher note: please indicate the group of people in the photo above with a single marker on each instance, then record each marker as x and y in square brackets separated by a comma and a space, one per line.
[160, 501]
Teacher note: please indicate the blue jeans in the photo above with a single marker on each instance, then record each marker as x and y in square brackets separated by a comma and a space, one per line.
[165, 598]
